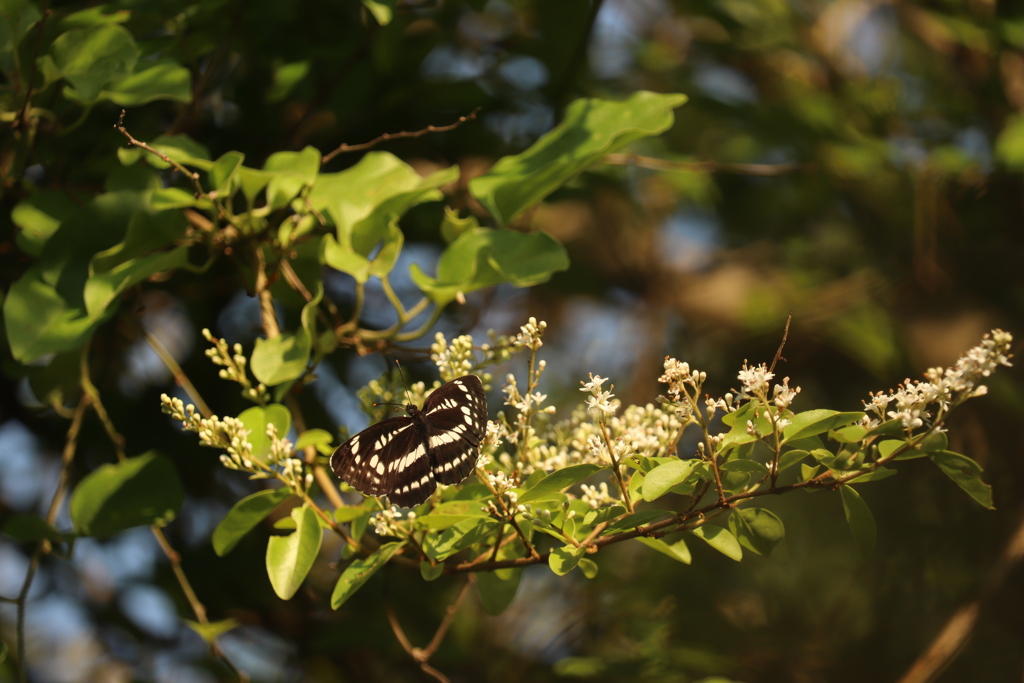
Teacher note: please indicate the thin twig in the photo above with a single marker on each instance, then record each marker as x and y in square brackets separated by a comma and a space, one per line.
[386, 137]
[764, 170]
[191, 175]
[179, 375]
[782, 345]
[70, 446]
[422, 655]
[268, 315]
[951, 640]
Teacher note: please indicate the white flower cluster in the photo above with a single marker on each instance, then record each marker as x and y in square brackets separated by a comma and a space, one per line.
[386, 522]
[600, 402]
[942, 387]
[230, 435]
[530, 335]
[597, 496]
[755, 380]
[459, 357]
[233, 363]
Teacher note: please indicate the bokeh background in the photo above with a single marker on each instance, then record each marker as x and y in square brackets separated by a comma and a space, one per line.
[856, 162]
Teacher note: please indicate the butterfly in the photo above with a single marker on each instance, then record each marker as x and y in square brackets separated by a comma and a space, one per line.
[405, 458]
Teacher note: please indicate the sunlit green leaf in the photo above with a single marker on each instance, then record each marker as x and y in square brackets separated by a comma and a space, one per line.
[590, 129]
[289, 558]
[637, 519]
[284, 358]
[213, 630]
[658, 481]
[360, 571]
[588, 567]
[92, 56]
[721, 540]
[677, 551]
[817, 421]
[556, 481]
[166, 81]
[430, 572]
[563, 560]
[256, 420]
[244, 516]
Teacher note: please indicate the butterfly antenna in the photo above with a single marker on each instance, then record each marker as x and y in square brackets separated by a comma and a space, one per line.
[408, 394]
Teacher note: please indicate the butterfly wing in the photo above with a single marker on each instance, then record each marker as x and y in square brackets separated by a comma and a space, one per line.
[456, 418]
[388, 458]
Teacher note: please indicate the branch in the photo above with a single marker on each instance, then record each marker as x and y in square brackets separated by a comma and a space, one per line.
[954, 635]
[766, 170]
[422, 655]
[193, 176]
[179, 375]
[70, 445]
[386, 137]
[782, 345]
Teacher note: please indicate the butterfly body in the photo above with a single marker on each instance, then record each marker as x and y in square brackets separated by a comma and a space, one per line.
[405, 458]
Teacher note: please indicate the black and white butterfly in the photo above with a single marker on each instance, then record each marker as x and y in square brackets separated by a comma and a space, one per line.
[405, 458]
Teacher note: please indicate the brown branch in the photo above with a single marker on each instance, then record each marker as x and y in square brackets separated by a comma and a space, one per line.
[191, 175]
[782, 345]
[386, 137]
[70, 446]
[951, 640]
[268, 315]
[422, 655]
[764, 170]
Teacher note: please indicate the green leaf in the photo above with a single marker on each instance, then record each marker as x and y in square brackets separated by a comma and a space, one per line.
[256, 420]
[284, 358]
[462, 535]
[790, 458]
[39, 215]
[290, 173]
[213, 630]
[382, 10]
[677, 551]
[549, 486]
[819, 421]
[588, 567]
[966, 473]
[721, 540]
[321, 439]
[138, 491]
[757, 529]
[591, 128]
[860, 519]
[745, 466]
[180, 148]
[289, 558]
[360, 571]
[223, 173]
[430, 572]
[365, 199]
[166, 81]
[658, 481]
[637, 519]
[90, 57]
[451, 513]
[527, 259]
[563, 560]
[286, 77]
[31, 529]
[875, 475]
[496, 594]
[1010, 144]
[244, 516]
